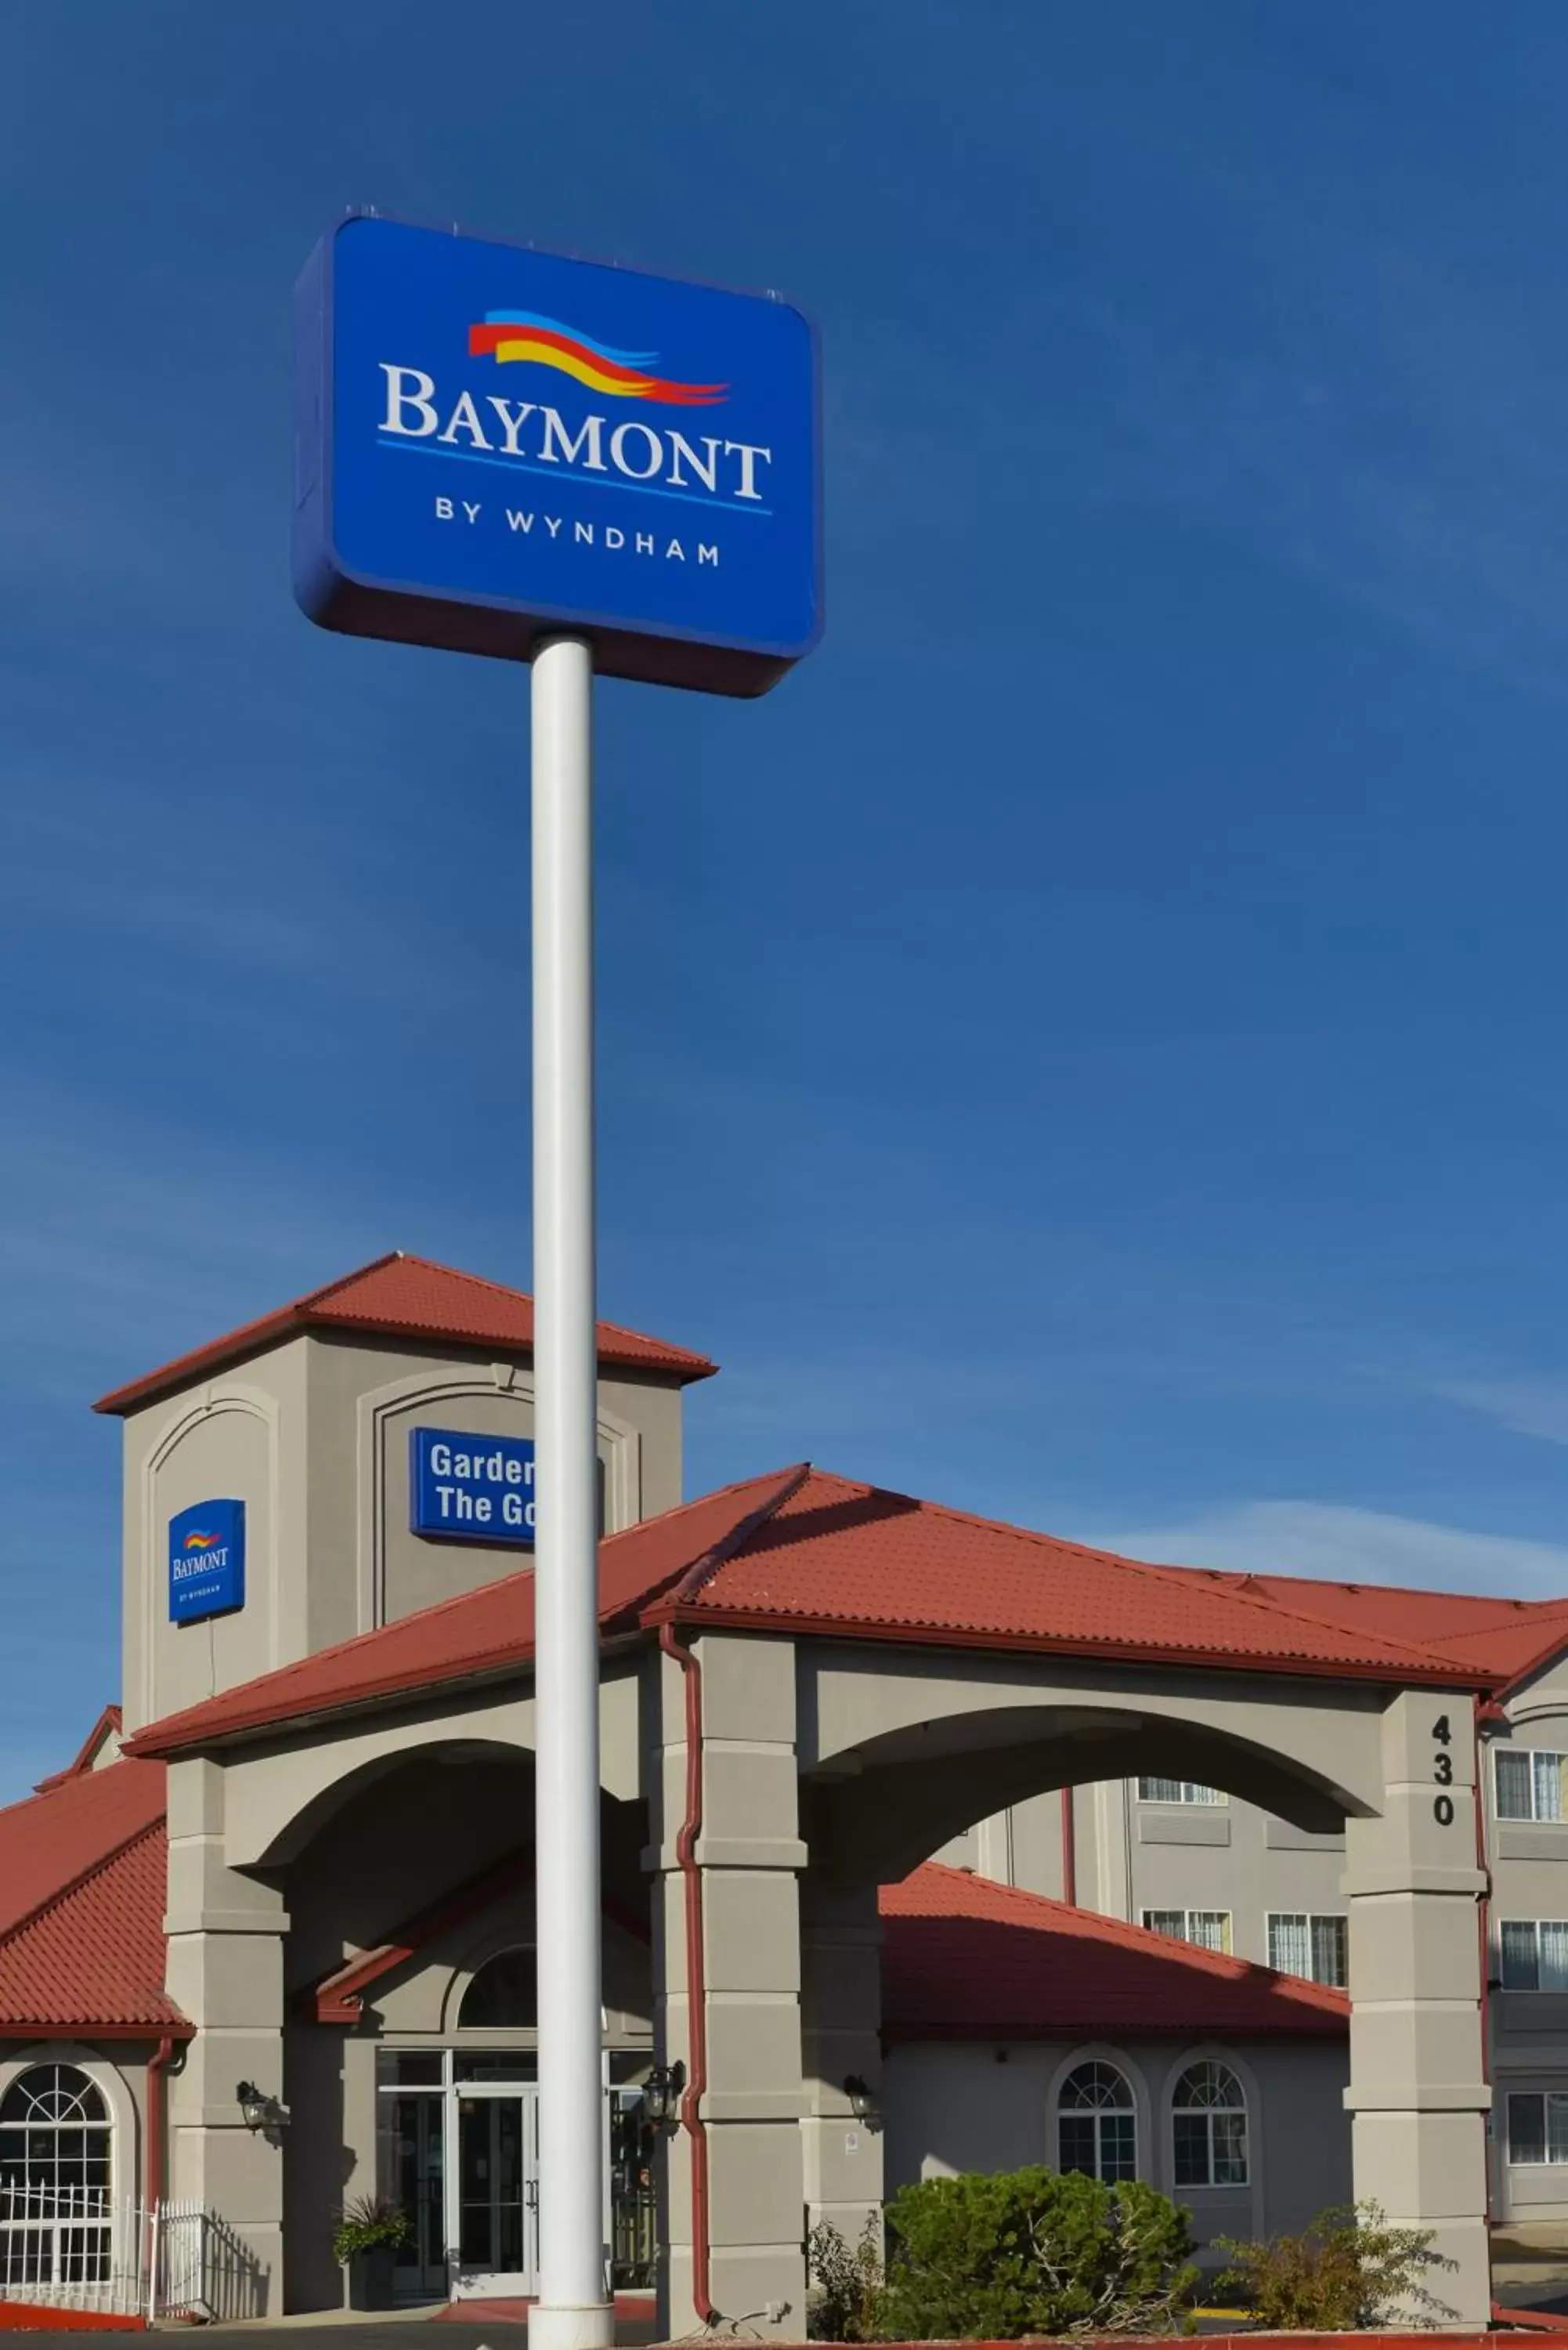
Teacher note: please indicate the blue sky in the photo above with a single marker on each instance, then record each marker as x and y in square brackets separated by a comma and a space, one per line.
[1090, 1046]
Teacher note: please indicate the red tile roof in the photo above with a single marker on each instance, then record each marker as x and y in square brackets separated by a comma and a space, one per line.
[1500, 1636]
[93, 1961]
[963, 1959]
[51, 1840]
[800, 1550]
[845, 1558]
[82, 1876]
[408, 1297]
[480, 1635]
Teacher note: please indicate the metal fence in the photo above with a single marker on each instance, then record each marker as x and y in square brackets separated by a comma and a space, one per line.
[80, 2248]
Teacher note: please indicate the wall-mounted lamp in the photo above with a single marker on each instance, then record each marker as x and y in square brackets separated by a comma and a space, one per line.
[661, 2094]
[258, 2110]
[862, 2104]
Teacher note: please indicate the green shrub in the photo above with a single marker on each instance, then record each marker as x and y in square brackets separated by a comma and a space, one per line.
[1350, 2270]
[367, 2223]
[844, 2301]
[994, 2257]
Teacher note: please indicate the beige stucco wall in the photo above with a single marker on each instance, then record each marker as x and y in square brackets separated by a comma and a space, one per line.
[118, 2068]
[1530, 1880]
[1133, 1856]
[312, 1435]
[953, 2106]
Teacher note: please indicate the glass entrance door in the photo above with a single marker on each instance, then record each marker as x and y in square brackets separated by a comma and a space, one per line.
[493, 2210]
[419, 2134]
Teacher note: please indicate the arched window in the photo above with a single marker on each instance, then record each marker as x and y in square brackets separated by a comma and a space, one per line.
[1096, 2125]
[56, 2171]
[505, 1994]
[1209, 2112]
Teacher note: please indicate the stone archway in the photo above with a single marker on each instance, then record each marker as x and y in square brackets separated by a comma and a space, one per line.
[828, 1767]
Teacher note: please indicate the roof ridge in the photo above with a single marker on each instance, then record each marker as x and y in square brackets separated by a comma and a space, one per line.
[1342, 1583]
[1178, 1575]
[95, 1867]
[495, 1289]
[694, 1577]
[314, 1296]
[1268, 1606]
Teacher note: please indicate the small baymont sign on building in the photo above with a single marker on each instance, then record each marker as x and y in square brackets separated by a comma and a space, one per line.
[206, 1561]
[496, 443]
[464, 1487]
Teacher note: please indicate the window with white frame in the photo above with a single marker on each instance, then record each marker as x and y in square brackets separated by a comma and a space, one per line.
[1177, 1791]
[1208, 2119]
[1531, 1784]
[1209, 1928]
[55, 2173]
[1534, 1953]
[1313, 1943]
[1537, 2125]
[1096, 2123]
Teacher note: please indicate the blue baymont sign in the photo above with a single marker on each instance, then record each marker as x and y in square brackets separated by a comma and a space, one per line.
[464, 1487]
[494, 443]
[206, 1561]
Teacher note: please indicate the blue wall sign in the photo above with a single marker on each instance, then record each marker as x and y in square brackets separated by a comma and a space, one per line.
[206, 1561]
[492, 442]
[465, 1487]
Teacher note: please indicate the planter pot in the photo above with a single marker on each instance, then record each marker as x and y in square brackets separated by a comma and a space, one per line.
[370, 2277]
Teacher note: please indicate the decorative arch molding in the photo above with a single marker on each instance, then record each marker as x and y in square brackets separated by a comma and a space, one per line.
[620, 1446]
[619, 2027]
[503, 1934]
[1217, 2052]
[1318, 1748]
[1538, 1710]
[274, 1803]
[210, 1402]
[1101, 2052]
[126, 2133]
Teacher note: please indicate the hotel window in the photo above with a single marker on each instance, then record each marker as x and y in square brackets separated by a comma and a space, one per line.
[1534, 1953]
[1303, 1943]
[1530, 1785]
[1177, 1791]
[1096, 2127]
[1210, 2124]
[1209, 1928]
[56, 2168]
[1538, 2127]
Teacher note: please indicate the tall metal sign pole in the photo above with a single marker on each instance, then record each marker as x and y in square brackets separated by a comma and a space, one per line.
[506, 451]
[573, 2308]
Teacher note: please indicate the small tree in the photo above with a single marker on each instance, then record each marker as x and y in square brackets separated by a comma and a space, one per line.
[846, 2288]
[1348, 2271]
[995, 2257]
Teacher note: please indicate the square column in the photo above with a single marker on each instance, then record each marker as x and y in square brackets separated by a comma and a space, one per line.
[841, 2016]
[225, 1970]
[749, 1855]
[1418, 2094]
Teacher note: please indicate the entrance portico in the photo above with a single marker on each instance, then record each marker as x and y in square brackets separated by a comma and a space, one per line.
[769, 1757]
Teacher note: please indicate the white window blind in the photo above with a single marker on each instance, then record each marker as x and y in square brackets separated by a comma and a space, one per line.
[1534, 1952]
[1209, 1928]
[1530, 1785]
[1538, 2127]
[1177, 1791]
[1313, 1944]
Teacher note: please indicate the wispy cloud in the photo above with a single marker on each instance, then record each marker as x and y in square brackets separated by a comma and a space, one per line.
[1350, 1545]
[1529, 1406]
